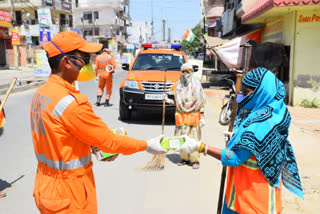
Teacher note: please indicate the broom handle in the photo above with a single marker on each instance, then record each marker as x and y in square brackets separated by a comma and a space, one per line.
[164, 101]
[8, 92]
[247, 49]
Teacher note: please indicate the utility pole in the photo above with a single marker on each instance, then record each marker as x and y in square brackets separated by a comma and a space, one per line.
[169, 35]
[152, 31]
[15, 47]
[163, 30]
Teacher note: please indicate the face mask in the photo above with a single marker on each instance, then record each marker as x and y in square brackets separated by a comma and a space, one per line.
[240, 97]
[86, 73]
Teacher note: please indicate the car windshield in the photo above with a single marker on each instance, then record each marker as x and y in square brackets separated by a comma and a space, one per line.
[157, 62]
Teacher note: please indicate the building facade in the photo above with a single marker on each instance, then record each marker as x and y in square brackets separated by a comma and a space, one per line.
[103, 21]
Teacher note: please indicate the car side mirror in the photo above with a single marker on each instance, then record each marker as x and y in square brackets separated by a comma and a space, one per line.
[125, 66]
[195, 68]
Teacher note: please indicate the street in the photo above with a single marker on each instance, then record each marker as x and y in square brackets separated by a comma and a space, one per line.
[121, 186]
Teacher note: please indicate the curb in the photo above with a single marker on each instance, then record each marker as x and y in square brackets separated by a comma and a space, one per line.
[30, 84]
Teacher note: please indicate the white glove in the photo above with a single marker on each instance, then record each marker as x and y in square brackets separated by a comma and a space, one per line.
[227, 136]
[202, 122]
[154, 147]
[190, 145]
[97, 78]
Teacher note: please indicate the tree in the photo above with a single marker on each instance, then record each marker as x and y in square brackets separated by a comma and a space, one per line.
[195, 44]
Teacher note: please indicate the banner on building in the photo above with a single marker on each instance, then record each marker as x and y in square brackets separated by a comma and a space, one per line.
[231, 52]
[273, 31]
[44, 17]
[212, 21]
[45, 35]
[15, 38]
[5, 19]
[43, 67]
[113, 46]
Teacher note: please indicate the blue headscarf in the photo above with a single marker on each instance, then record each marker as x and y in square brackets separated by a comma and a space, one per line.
[264, 130]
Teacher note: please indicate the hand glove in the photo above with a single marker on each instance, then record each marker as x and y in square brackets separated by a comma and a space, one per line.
[97, 78]
[154, 147]
[227, 136]
[190, 145]
[112, 158]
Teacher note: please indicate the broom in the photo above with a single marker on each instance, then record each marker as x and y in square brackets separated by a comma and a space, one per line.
[157, 161]
[5, 99]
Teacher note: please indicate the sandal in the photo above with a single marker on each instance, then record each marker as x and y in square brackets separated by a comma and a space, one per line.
[182, 163]
[2, 194]
[196, 165]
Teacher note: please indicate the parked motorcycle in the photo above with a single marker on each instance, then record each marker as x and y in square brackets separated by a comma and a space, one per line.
[226, 110]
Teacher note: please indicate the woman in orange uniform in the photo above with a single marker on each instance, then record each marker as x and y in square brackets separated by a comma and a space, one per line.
[259, 156]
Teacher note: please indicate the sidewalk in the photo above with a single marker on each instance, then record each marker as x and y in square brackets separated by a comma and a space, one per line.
[26, 79]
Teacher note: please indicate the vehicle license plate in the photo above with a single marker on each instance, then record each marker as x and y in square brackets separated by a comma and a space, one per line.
[153, 96]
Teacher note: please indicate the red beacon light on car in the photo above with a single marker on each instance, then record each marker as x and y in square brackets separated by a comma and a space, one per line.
[162, 46]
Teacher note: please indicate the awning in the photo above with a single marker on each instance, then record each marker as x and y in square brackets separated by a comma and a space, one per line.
[215, 41]
[262, 6]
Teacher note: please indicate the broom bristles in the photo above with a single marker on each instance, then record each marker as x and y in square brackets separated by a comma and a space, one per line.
[156, 163]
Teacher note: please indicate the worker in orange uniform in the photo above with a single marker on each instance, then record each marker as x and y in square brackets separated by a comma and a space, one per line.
[105, 67]
[64, 127]
[2, 120]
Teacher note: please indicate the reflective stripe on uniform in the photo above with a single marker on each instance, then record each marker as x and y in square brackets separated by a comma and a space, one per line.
[232, 197]
[59, 165]
[62, 105]
[102, 68]
[251, 164]
[272, 200]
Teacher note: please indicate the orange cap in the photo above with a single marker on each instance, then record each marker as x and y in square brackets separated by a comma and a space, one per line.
[68, 41]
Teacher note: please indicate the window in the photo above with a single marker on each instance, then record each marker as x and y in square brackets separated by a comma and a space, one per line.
[70, 21]
[96, 14]
[19, 17]
[96, 31]
[87, 32]
[77, 3]
[87, 15]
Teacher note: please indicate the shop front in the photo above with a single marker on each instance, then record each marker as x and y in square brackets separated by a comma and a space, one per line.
[5, 39]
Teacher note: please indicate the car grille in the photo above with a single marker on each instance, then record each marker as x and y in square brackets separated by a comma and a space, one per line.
[156, 86]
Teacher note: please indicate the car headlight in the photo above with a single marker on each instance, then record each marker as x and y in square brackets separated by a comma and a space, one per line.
[131, 84]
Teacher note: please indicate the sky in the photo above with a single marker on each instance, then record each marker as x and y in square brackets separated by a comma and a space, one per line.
[179, 15]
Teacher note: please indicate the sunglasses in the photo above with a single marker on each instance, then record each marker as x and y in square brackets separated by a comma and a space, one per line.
[86, 59]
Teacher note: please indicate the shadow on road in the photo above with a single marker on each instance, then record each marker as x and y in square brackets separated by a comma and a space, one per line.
[4, 184]
[174, 158]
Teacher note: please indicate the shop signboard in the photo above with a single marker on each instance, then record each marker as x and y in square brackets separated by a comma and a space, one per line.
[113, 46]
[43, 67]
[45, 35]
[273, 31]
[15, 38]
[212, 21]
[5, 19]
[310, 18]
[130, 46]
[44, 17]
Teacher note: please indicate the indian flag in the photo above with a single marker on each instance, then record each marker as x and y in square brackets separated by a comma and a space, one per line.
[189, 36]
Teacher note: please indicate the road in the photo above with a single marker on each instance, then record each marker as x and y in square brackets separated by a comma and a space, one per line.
[121, 187]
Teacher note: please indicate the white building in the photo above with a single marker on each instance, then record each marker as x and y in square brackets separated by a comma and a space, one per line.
[102, 20]
[139, 33]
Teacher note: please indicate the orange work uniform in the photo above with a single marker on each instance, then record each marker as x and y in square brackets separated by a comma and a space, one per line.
[2, 117]
[248, 191]
[64, 127]
[105, 77]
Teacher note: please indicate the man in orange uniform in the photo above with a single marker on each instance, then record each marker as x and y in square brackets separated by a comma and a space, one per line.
[2, 120]
[105, 67]
[64, 127]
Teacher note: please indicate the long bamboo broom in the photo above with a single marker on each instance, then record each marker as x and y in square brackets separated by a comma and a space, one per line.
[157, 161]
[5, 99]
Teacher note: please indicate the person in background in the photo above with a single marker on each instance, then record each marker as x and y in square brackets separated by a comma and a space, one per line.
[105, 67]
[189, 100]
[259, 155]
[64, 127]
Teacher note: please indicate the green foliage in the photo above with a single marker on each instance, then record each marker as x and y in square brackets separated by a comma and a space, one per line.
[310, 104]
[195, 44]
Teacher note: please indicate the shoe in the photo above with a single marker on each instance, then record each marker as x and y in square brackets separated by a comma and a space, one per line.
[98, 100]
[107, 103]
[196, 165]
[2, 194]
[182, 163]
